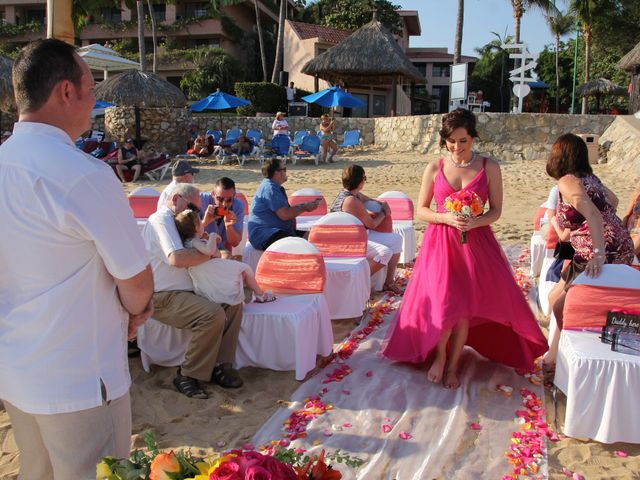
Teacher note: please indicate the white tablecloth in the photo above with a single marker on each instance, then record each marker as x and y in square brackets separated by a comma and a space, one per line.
[544, 286]
[348, 286]
[283, 335]
[602, 389]
[286, 334]
[407, 231]
[538, 248]
[251, 256]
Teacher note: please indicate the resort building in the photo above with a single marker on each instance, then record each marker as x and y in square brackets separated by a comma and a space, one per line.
[180, 25]
[305, 41]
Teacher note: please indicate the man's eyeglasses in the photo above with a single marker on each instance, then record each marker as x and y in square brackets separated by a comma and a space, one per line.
[224, 200]
[190, 205]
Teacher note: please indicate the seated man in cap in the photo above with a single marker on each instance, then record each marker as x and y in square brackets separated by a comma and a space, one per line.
[182, 172]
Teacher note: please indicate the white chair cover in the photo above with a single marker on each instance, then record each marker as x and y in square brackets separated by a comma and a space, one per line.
[544, 286]
[538, 249]
[305, 223]
[404, 228]
[145, 192]
[348, 286]
[239, 249]
[251, 256]
[162, 344]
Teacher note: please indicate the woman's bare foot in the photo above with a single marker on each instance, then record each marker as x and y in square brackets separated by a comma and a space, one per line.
[451, 379]
[434, 374]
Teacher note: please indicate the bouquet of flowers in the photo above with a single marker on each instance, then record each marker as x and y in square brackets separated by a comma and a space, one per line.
[464, 203]
[277, 463]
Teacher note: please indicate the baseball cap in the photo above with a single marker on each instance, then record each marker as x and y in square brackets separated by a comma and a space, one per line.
[182, 168]
[129, 140]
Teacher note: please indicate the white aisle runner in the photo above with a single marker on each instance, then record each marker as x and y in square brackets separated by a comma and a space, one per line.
[406, 428]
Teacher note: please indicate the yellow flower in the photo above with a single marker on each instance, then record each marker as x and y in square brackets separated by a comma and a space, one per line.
[103, 471]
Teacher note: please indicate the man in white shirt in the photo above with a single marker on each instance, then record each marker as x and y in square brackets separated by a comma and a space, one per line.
[291, 93]
[75, 280]
[182, 172]
[215, 328]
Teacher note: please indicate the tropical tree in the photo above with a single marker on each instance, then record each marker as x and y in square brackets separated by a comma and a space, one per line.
[457, 50]
[584, 11]
[352, 14]
[141, 45]
[214, 68]
[560, 25]
[263, 53]
[490, 75]
[520, 6]
[280, 43]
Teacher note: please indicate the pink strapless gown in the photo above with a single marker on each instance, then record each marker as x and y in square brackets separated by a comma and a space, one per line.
[452, 281]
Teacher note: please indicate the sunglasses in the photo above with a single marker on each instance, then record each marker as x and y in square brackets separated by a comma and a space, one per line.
[224, 200]
[190, 205]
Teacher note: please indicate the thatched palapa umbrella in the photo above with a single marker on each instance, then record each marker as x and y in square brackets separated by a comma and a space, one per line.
[631, 63]
[7, 99]
[598, 87]
[134, 88]
[368, 56]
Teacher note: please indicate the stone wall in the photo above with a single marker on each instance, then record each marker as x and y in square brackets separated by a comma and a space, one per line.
[502, 135]
[212, 122]
[163, 129]
[622, 143]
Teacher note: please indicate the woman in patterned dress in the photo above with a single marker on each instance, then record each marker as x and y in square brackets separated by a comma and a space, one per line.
[588, 209]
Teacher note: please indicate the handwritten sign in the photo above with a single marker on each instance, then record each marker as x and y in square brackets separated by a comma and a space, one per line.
[619, 323]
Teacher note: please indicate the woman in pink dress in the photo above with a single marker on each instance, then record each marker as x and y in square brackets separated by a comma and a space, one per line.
[462, 293]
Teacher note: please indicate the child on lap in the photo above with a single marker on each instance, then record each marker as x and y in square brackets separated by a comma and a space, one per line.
[219, 280]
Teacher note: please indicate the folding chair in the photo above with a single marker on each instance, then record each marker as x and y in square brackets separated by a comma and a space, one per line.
[351, 139]
[297, 139]
[279, 148]
[309, 148]
[157, 168]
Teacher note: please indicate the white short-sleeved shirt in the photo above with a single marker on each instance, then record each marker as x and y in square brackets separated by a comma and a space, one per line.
[280, 124]
[164, 196]
[161, 238]
[551, 203]
[67, 232]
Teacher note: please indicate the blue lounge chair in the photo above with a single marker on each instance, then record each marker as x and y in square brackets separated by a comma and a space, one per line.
[351, 139]
[232, 136]
[309, 148]
[216, 135]
[279, 148]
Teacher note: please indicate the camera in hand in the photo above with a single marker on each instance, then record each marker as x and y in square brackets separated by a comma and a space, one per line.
[220, 211]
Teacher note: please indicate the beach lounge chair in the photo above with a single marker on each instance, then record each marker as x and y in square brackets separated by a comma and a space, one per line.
[297, 139]
[231, 136]
[402, 222]
[216, 135]
[279, 148]
[351, 139]
[143, 202]
[309, 148]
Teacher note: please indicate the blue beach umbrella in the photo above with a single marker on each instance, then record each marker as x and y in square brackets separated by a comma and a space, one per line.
[98, 108]
[219, 101]
[334, 97]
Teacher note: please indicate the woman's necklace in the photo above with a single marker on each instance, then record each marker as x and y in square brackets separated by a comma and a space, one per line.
[465, 164]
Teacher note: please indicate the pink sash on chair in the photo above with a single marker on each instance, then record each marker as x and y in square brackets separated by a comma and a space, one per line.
[291, 273]
[586, 306]
[401, 208]
[320, 210]
[143, 206]
[340, 240]
[240, 196]
[541, 212]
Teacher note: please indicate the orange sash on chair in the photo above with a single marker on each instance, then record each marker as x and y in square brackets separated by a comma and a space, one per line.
[340, 240]
[541, 212]
[586, 306]
[291, 273]
[320, 210]
[143, 206]
[401, 208]
[240, 196]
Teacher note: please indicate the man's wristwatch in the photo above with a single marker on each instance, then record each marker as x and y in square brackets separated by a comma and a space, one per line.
[597, 252]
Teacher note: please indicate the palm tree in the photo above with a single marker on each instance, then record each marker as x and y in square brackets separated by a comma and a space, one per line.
[280, 42]
[457, 51]
[263, 54]
[583, 11]
[141, 45]
[560, 25]
[154, 68]
[520, 6]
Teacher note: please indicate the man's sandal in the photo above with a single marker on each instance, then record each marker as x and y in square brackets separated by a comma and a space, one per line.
[189, 386]
[226, 377]
[393, 288]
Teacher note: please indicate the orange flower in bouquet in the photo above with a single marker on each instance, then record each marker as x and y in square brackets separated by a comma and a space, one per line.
[163, 466]
[464, 203]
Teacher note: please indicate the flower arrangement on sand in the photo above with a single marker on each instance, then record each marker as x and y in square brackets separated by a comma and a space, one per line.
[280, 463]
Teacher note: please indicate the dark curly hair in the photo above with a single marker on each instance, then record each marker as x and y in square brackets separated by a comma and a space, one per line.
[569, 154]
[459, 118]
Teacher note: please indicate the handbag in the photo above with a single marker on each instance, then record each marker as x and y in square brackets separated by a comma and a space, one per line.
[564, 251]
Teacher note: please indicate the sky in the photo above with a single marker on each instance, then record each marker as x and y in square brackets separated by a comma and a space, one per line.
[481, 17]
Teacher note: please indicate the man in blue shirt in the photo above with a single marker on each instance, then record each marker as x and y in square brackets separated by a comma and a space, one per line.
[271, 217]
[230, 225]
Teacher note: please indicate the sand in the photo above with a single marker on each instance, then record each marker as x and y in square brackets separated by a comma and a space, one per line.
[230, 418]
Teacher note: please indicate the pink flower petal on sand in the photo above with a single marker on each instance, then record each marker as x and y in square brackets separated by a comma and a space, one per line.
[475, 426]
[386, 428]
[347, 425]
[566, 472]
[327, 433]
[385, 419]
[220, 443]
[405, 436]
[369, 373]
[346, 392]
[577, 476]
[620, 453]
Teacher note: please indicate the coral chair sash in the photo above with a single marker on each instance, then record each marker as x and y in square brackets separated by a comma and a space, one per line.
[586, 306]
[240, 196]
[143, 206]
[386, 225]
[401, 208]
[340, 240]
[320, 210]
[291, 273]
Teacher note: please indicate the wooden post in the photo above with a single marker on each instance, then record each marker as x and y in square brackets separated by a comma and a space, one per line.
[316, 84]
[634, 95]
[394, 96]
[59, 22]
[412, 94]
